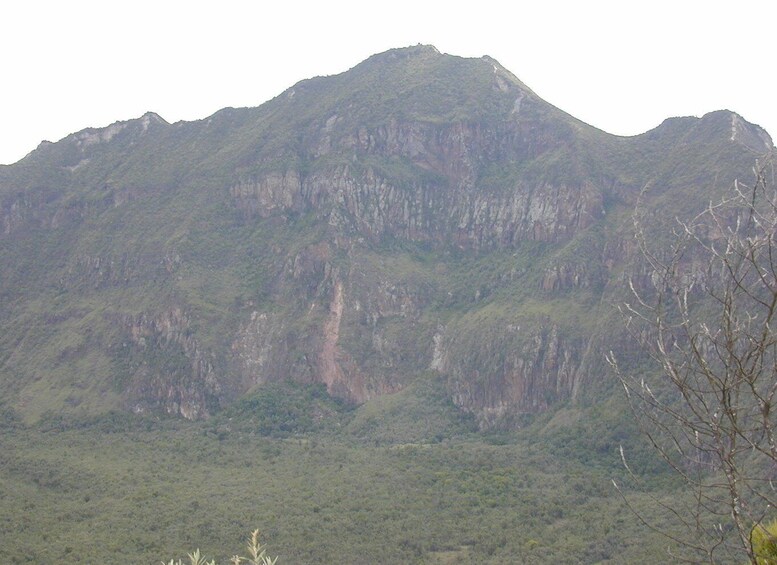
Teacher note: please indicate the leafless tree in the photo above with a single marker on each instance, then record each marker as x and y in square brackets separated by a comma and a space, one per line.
[704, 311]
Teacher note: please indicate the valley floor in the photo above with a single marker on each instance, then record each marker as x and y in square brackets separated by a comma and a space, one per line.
[143, 491]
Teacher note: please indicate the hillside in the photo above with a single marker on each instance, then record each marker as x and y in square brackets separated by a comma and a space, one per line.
[420, 216]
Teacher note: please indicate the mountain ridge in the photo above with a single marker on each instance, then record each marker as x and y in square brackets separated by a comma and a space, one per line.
[422, 52]
[417, 214]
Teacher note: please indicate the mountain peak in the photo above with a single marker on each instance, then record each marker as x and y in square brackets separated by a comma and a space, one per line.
[718, 126]
[151, 118]
[750, 135]
[416, 83]
[412, 51]
[93, 136]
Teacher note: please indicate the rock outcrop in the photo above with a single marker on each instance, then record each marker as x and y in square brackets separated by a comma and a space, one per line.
[168, 369]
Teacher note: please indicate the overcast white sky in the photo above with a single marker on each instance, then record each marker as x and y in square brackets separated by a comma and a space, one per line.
[622, 66]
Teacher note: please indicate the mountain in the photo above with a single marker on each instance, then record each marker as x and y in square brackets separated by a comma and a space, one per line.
[418, 217]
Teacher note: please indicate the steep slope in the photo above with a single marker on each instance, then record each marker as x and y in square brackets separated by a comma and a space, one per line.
[419, 212]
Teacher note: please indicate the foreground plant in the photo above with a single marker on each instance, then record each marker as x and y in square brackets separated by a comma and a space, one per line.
[256, 550]
[764, 540]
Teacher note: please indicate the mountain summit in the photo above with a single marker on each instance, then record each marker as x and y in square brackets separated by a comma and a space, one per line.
[420, 216]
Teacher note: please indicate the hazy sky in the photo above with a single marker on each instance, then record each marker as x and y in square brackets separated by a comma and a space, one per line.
[622, 66]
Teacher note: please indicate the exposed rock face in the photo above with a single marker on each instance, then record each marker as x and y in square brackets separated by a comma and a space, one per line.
[170, 371]
[518, 370]
[447, 202]
[266, 349]
[417, 213]
[33, 210]
[275, 193]
[331, 359]
[253, 347]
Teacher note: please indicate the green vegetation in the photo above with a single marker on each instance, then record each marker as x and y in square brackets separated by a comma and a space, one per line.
[284, 409]
[390, 481]
[424, 225]
[256, 550]
[764, 541]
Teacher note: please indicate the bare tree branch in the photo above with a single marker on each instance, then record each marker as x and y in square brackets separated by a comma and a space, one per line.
[705, 315]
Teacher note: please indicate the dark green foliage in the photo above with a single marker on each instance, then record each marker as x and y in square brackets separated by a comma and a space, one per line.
[124, 488]
[284, 409]
[422, 413]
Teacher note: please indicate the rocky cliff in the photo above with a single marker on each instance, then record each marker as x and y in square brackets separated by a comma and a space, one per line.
[418, 213]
